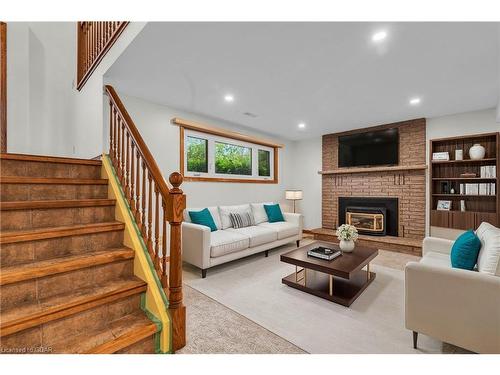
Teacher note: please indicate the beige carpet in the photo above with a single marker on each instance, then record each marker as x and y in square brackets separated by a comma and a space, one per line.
[373, 324]
[214, 329]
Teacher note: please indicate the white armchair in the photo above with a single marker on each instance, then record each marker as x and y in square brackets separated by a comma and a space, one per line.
[457, 306]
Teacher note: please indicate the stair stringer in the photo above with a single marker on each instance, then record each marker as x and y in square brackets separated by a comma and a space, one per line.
[155, 302]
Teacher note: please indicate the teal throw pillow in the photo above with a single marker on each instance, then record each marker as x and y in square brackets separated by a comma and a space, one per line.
[274, 213]
[465, 251]
[203, 217]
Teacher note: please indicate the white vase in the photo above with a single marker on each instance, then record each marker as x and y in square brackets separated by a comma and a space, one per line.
[477, 152]
[346, 246]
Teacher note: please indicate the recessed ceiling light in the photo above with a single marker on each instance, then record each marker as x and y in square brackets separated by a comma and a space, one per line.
[229, 98]
[379, 36]
[414, 101]
[302, 125]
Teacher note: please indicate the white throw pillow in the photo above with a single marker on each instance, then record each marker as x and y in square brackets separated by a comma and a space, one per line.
[226, 210]
[488, 260]
[214, 211]
[259, 213]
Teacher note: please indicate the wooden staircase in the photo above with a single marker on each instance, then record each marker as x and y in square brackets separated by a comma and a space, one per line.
[66, 281]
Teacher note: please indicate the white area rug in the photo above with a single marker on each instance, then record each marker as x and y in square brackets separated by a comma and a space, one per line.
[374, 323]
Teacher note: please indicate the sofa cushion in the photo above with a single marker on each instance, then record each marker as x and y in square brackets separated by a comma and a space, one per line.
[241, 219]
[274, 213]
[436, 259]
[259, 213]
[258, 235]
[284, 229]
[203, 217]
[224, 242]
[465, 250]
[226, 210]
[214, 211]
[488, 260]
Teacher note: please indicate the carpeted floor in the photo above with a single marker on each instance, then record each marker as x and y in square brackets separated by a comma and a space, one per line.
[215, 329]
[242, 307]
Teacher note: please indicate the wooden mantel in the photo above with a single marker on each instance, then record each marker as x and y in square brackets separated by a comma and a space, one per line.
[396, 168]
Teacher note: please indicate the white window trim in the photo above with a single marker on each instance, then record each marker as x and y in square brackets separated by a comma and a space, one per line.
[211, 158]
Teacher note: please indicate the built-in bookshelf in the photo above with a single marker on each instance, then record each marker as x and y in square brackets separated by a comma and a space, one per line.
[477, 190]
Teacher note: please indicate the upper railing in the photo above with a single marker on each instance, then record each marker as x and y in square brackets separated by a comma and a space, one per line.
[152, 203]
[94, 41]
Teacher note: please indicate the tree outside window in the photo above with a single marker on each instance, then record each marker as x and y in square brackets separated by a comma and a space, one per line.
[233, 159]
[197, 155]
[264, 163]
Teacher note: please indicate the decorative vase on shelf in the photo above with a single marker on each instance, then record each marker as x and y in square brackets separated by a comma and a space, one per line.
[477, 152]
[346, 246]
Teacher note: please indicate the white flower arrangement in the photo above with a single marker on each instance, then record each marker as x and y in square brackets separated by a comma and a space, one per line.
[347, 232]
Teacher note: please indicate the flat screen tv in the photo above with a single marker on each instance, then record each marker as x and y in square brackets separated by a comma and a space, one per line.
[379, 147]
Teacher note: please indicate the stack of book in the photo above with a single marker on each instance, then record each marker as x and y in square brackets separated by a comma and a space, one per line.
[324, 253]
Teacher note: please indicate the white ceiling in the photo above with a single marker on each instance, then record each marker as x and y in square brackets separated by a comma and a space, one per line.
[329, 75]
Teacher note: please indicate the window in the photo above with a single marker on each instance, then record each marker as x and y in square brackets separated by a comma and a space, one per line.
[233, 159]
[264, 163]
[197, 154]
[226, 156]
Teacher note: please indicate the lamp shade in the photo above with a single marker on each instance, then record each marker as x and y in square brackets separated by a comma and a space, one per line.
[293, 195]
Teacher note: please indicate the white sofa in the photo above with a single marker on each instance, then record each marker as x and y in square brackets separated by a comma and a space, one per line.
[457, 306]
[205, 249]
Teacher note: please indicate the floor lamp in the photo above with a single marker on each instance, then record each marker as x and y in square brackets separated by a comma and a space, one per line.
[293, 195]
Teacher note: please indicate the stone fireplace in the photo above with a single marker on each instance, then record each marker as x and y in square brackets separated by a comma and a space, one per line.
[397, 193]
[376, 216]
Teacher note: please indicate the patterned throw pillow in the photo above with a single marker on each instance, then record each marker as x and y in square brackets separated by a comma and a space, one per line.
[241, 220]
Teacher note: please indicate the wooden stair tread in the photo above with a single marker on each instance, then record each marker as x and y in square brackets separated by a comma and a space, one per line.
[13, 236]
[55, 203]
[52, 181]
[117, 335]
[32, 314]
[28, 271]
[49, 159]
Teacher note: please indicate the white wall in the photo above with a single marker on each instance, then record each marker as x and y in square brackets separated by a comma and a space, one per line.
[307, 163]
[46, 114]
[462, 124]
[498, 63]
[162, 138]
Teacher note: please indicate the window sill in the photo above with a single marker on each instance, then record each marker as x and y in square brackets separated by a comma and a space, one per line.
[237, 180]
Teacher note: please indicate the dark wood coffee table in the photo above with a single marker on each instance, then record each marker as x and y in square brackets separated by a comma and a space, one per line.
[340, 280]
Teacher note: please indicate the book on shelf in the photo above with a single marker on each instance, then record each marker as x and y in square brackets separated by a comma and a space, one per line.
[478, 189]
[324, 253]
[488, 171]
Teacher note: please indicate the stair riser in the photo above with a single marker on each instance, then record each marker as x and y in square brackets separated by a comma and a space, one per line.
[46, 169]
[50, 334]
[31, 251]
[30, 290]
[146, 346]
[44, 218]
[26, 192]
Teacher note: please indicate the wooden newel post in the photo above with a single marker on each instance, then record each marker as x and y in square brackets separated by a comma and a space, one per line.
[175, 207]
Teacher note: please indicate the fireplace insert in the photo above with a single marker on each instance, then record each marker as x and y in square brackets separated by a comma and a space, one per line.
[376, 216]
[367, 220]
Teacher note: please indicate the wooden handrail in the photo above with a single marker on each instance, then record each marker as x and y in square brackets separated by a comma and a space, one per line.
[139, 141]
[94, 40]
[153, 204]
